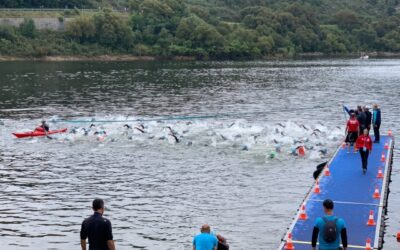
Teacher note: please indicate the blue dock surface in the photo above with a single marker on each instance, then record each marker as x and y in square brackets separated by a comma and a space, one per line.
[352, 193]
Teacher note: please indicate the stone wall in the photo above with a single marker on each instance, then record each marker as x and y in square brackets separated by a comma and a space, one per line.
[40, 23]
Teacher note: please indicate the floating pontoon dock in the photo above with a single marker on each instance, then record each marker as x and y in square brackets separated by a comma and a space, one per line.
[352, 193]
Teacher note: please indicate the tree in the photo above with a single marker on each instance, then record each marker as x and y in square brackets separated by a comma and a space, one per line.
[82, 29]
[347, 19]
[112, 30]
[27, 28]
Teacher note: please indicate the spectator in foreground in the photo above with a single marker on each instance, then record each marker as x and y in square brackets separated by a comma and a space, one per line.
[97, 229]
[205, 240]
[222, 244]
[329, 230]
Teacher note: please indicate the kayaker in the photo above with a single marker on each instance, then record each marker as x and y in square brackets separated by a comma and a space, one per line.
[43, 127]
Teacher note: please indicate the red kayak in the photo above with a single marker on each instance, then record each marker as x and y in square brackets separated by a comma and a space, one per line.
[38, 133]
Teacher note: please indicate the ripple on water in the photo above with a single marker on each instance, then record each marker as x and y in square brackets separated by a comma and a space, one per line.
[157, 193]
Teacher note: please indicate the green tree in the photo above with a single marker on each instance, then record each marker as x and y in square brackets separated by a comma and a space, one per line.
[113, 31]
[347, 19]
[27, 28]
[82, 28]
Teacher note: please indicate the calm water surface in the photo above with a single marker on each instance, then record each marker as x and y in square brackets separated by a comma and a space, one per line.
[158, 193]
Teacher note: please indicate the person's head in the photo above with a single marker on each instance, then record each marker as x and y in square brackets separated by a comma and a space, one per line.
[359, 108]
[365, 131]
[375, 106]
[366, 108]
[43, 122]
[205, 229]
[328, 206]
[221, 238]
[98, 205]
[352, 115]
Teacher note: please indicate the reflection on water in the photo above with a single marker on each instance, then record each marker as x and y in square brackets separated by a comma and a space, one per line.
[157, 194]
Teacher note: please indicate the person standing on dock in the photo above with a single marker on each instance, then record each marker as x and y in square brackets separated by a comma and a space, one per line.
[329, 230]
[352, 131]
[361, 117]
[205, 240]
[376, 122]
[97, 229]
[368, 116]
[364, 145]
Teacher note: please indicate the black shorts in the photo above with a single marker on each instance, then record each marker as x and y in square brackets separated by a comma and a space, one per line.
[351, 137]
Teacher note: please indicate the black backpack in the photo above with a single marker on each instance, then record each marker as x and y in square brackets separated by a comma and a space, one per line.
[330, 230]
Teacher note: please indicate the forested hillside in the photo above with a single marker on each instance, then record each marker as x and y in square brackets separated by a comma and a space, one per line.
[216, 29]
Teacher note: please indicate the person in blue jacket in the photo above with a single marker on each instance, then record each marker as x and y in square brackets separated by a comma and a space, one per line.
[376, 122]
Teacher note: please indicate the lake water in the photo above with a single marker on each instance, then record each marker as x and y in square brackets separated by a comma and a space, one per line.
[229, 118]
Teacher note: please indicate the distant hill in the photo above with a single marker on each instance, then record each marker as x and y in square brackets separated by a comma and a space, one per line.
[230, 29]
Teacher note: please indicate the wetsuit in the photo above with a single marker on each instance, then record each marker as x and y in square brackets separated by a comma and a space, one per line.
[364, 144]
[43, 127]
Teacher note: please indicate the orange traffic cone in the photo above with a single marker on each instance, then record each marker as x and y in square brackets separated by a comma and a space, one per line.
[383, 158]
[368, 244]
[371, 221]
[380, 174]
[327, 172]
[376, 193]
[316, 188]
[390, 132]
[289, 244]
[386, 145]
[303, 215]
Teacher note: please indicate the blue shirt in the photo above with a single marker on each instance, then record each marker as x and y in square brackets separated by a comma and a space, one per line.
[320, 223]
[205, 241]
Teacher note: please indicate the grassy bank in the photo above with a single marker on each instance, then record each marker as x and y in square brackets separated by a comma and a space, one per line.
[217, 30]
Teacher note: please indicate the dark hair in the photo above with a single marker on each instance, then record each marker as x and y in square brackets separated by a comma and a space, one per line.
[328, 204]
[97, 204]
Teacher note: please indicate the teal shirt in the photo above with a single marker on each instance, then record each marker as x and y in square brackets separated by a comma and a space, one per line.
[320, 223]
[205, 241]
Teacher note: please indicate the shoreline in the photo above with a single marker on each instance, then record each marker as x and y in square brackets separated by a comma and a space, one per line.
[127, 58]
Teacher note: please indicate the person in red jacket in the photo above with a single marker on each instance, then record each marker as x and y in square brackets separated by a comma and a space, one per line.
[364, 145]
[352, 131]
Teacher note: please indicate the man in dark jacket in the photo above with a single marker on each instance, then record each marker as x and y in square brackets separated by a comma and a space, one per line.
[97, 229]
[376, 122]
[368, 116]
[361, 117]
